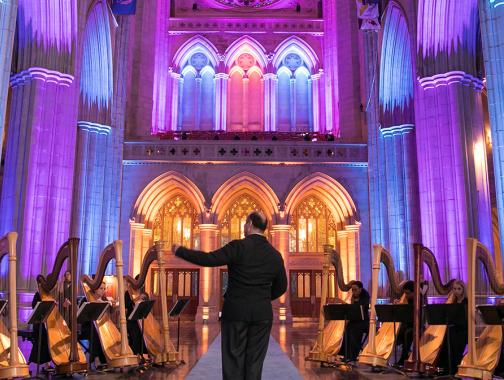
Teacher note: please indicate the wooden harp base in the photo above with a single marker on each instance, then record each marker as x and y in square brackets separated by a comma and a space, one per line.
[123, 361]
[317, 356]
[11, 372]
[72, 367]
[373, 361]
[474, 372]
[167, 358]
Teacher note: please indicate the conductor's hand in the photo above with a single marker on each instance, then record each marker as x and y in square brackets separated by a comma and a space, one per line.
[175, 247]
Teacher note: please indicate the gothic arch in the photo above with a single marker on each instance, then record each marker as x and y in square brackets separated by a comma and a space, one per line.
[330, 191]
[296, 45]
[196, 44]
[241, 183]
[96, 80]
[248, 45]
[161, 189]
[396, 67]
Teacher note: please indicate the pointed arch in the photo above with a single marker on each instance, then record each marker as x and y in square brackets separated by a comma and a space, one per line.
[249, 45]
[299, 46]
[96, 81]
[160, 190]
[330, 191]
[196, 44]
[249, 183]
[396, 67]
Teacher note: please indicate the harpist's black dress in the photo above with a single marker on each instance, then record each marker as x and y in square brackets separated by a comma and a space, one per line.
[134, 332]
[45, 355]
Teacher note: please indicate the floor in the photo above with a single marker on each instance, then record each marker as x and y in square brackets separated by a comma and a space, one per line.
[199, 346]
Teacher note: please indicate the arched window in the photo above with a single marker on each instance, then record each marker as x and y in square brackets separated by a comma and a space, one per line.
[245, 95]
[231, 224]
[312, 226]
[294, 104]
[196, 94]
[177, 223]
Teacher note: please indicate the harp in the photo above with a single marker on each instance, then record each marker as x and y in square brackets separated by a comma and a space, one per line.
[483, 354]
[65, 353]
[426, 348]
[380, 344]
[12, 362]
[114, 342]
[157, 339]
[330, 335]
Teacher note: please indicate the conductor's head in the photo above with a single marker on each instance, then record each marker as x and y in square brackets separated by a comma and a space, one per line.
[256, 223]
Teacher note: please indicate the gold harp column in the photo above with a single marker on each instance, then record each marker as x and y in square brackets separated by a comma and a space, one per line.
[280, 237]
[209, 286]
[323, 296]
[120, 288]
[374, 296]
[162, 290]
[12, 238]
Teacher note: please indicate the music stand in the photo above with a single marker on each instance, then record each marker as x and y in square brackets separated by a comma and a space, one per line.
[39, 316]
[3, 304]
[140, 312]
[176, 310]
[449, 314]
[90, 312]
[395, 313]
[344, 312]
[492, 314]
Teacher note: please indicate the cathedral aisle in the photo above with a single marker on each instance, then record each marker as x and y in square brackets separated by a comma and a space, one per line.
[276, 365]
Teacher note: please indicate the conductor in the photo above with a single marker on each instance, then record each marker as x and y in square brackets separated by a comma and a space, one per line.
[256, 277]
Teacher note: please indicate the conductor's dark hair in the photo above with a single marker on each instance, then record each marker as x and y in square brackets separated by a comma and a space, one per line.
[409, 285]
[258, 221]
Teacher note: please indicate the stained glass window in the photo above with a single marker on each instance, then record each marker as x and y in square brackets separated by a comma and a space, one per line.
[312, 226]
[232, 223]
[177, 223]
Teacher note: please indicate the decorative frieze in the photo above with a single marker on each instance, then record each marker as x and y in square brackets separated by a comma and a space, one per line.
[246, 151]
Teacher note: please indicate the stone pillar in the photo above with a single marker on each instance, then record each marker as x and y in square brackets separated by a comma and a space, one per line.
[270, 101]
[245, 111]
[293, 103]
[280, 240]
[353, 249]
[8, 11]
[491, 14]
[209, 290]
[90, 213]
[221, 85]
[136, 247]
[39, 168]
[198, 104]
[402, 194]
[175, 80]
[455, 202]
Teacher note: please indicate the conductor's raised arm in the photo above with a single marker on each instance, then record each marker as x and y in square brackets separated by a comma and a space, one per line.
[222, 256]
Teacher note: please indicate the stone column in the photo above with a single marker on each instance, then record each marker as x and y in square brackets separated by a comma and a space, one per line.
[136, 247]
[491, 15]
[90, 211]
[175, 80]
[280, 240]
[245, 111]
[198, 103]
[221, 85]
[270, 101]
[209, 291]
[8, 11]
[402, 194]
[293, 103]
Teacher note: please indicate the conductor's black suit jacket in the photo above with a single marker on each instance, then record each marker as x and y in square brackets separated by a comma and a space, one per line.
[256, 276]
